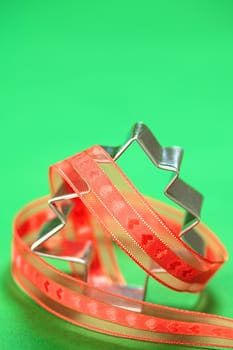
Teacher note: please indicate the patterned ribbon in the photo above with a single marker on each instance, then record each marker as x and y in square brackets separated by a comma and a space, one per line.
[109, 208]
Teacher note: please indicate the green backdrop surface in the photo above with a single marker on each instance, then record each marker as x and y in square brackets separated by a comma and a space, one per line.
[78, 73]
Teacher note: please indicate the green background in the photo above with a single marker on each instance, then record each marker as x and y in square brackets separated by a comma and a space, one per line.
[78, 73]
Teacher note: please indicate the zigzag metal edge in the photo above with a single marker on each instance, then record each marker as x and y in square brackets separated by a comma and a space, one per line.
[85, 260]
[59, 215]
[166, 158]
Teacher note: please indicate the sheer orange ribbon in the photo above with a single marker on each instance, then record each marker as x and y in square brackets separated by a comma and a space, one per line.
[109, 207]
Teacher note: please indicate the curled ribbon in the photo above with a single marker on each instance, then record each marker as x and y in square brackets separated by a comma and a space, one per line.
[101, 205]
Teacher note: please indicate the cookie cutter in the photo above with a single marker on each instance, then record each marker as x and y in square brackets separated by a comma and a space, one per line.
[165, 158]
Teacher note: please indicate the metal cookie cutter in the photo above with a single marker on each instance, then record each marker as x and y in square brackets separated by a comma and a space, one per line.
[166, 158]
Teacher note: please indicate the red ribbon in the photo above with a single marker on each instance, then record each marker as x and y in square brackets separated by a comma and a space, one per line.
[108, 205]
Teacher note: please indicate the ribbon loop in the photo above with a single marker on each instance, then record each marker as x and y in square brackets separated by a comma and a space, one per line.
[93, 203]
